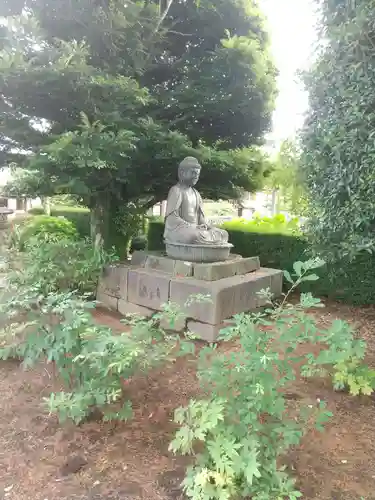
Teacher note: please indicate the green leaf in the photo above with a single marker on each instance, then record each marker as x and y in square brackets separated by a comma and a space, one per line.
[310, 277]
[288, 276]
[298, 267]
[252, 468]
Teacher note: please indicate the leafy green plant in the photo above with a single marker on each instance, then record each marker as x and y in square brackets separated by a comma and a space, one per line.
[95, 363]
[243, 426]
[51, 266]
[337, 143]
[353, 375]
[46, 229]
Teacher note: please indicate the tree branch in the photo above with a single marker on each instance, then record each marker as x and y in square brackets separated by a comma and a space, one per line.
[163, 16]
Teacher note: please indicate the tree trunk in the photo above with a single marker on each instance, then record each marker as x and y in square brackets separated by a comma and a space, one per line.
[99, 219]
[46, 204]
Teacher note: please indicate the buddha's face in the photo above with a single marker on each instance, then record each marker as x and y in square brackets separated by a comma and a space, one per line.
[190, 176]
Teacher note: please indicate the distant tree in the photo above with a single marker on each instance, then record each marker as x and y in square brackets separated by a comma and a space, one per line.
[107, 97]
[338, 136]
[285, 179]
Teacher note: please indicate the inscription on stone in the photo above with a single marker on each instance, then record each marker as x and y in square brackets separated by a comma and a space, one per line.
[148, 290]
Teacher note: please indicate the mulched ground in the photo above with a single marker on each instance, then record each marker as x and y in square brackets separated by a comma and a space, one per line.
[42, 460]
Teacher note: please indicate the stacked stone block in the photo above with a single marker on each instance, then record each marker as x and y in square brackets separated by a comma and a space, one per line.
[151, 280]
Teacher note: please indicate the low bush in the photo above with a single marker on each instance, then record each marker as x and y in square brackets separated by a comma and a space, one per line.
[57, 266]
[46, 229]
[37, 211]
[240, 432]
[95, 363]
[78, 215]
[47, 322]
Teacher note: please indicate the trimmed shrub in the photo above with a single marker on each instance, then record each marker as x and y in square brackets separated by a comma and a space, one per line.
[155, 235]
[277, 246]
[36, 211]
[80, 217]
[48, 229]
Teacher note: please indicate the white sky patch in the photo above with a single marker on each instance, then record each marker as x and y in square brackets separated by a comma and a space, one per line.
[292, 28]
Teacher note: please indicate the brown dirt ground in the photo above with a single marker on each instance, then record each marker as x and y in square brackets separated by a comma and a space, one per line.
[131, 460]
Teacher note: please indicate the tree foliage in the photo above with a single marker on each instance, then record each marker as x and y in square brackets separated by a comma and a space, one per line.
[106, 98]
[338, 137]
[285, 177]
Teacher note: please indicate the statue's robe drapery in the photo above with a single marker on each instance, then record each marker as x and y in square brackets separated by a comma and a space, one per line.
[178, 230]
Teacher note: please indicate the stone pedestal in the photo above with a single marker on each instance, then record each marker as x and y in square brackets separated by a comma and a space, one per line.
[152, 279]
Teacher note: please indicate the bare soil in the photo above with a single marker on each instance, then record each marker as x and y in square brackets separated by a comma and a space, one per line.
[43, 460]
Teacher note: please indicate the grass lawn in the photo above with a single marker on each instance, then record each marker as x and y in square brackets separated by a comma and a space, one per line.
[41, 459]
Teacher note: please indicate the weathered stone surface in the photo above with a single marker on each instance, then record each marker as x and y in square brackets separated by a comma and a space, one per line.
[205, 331]
[198, 252]
[247, 265]
[229, 296]
[220, 270]
[113, 280]
[106, 300]
[139, 258]
[216, 271]
[276, 283]
[143, 291]
[126, 308]
[183, 268]
[148, 288]
[160, 263]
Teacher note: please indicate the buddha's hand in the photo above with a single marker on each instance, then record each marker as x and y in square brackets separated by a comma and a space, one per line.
[204, 227]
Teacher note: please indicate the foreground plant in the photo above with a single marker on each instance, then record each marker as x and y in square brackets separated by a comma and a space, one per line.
[243, 427]
[53, 266]
[94, 362]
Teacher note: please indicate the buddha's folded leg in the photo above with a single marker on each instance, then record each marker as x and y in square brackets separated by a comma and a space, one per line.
[220, 235]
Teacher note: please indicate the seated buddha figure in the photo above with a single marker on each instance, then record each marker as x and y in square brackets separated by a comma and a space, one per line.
[185, 222]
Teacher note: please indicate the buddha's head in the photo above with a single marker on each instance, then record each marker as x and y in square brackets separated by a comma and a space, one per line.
[188, 171]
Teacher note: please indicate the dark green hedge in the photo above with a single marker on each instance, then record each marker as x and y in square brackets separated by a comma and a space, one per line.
[351, 282]
[155, 234]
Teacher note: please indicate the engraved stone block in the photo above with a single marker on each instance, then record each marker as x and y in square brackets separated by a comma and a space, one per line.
[148, 288]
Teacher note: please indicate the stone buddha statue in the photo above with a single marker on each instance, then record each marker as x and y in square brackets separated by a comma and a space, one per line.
[185, 222]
